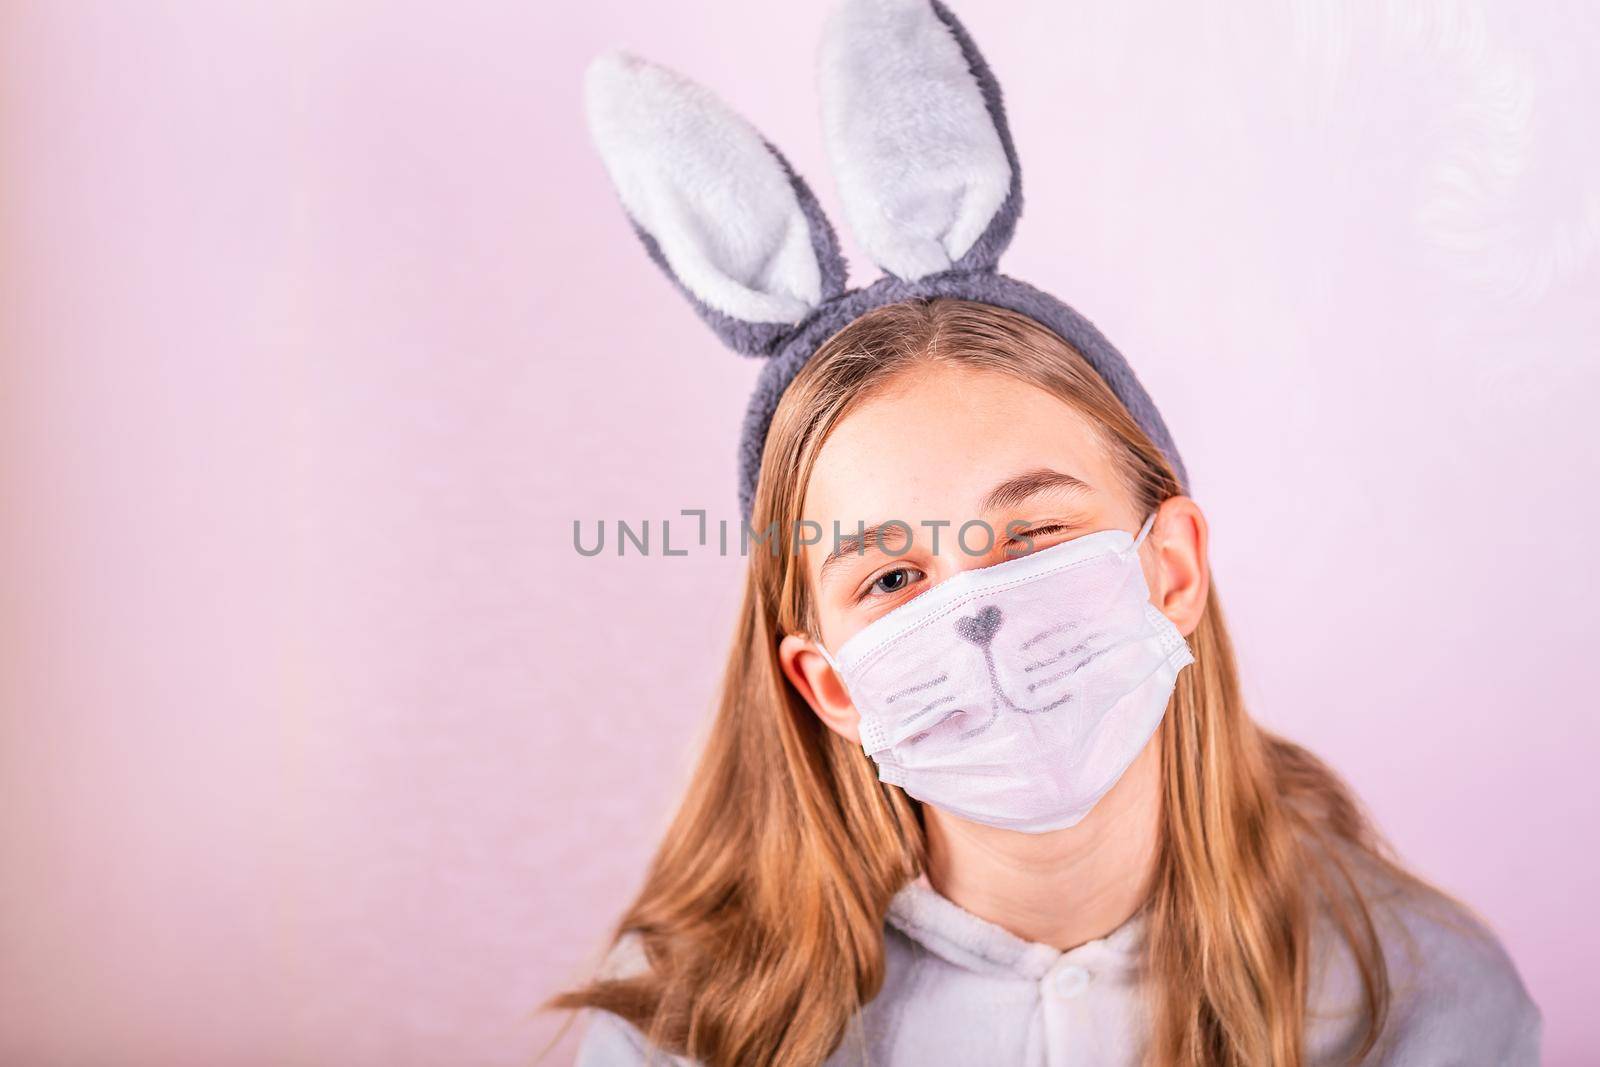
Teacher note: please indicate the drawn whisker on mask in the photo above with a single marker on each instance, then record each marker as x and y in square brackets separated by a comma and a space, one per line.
[1000, 693]
[1051, 632]
[980, 728]
[1068, 673]
[1063, 654]
[921, 735]
[1047, 681]
[1053, 705]
[928, 709]
[919, 687]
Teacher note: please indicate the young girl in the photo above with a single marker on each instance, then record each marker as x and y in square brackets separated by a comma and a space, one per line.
[982, 788]
[1224, 902]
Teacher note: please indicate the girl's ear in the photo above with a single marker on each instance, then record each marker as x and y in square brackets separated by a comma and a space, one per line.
[917, 136]
[819, 686]
[716, 205]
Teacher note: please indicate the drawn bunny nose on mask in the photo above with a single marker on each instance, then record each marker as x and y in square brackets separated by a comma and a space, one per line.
[980, 628]
[1022, 726]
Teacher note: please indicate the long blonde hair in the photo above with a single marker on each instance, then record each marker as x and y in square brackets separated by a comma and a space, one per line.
[762, 913]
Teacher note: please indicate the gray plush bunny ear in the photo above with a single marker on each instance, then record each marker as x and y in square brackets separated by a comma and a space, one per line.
[917, 137]
[716, 205]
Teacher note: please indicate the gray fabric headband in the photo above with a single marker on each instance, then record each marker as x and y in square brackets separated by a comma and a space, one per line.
[917, 137]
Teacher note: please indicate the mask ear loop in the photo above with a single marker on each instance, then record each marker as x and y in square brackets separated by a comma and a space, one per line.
[820, 647]
[1145, 529]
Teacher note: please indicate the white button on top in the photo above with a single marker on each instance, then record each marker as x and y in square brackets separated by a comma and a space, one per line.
[1070, 981]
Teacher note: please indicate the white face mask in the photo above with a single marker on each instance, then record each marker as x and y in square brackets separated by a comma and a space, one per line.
[1017, 694]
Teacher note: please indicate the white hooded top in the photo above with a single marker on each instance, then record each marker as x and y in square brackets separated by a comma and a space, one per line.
[962, 990]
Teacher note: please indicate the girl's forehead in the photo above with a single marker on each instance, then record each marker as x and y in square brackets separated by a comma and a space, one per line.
[935, 443]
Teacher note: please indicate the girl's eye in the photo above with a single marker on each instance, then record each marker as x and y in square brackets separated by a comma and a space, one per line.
[894, 581]
[1026, 539]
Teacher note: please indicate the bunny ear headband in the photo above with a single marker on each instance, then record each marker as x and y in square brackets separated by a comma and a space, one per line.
[917, 136]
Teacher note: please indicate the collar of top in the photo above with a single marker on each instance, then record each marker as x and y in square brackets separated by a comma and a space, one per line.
[966, 940]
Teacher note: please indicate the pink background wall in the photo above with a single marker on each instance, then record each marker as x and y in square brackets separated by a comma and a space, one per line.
[318, 742]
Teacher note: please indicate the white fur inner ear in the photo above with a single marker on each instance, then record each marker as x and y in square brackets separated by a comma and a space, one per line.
[700, 181]
[920, 166]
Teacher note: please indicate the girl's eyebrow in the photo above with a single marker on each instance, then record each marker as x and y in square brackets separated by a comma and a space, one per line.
[1015, 490]
[856, 544]
[1007, 494]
